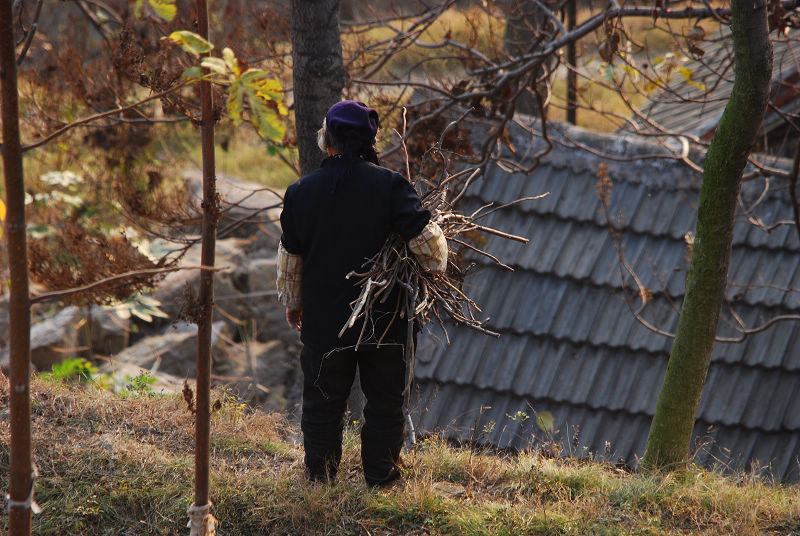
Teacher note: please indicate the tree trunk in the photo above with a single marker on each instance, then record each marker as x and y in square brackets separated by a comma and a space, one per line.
[201, 521]
[21, 470]
[527, 27]
[318, 72]
[671, 430]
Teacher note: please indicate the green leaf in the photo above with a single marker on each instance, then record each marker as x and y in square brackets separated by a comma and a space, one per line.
[262, 84]
[267, 121]
[608, 71]
[40, 230]
[190, 42]
[236, 101]
[214, 64]
[545, 421]
[148, 301]
[137, 9]
[141, 314]
[193, 72]
[61, 178]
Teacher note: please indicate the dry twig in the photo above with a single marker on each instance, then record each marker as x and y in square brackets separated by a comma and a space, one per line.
[426, 296]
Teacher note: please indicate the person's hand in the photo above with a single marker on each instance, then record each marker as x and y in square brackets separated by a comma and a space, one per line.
[294, 317]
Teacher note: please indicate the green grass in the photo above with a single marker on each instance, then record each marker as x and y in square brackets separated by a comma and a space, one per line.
[112, 465]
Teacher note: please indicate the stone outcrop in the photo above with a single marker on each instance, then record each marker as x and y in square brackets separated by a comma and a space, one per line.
[255, 354]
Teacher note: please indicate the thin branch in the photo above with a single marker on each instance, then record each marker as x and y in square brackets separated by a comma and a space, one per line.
[29, 33]
[58, 294]
[107, 113]
[793, 188]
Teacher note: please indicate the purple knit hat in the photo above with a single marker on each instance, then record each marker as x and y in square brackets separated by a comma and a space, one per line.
[352, 119]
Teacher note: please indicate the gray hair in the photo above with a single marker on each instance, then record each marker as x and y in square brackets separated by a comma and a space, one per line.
[321, 137]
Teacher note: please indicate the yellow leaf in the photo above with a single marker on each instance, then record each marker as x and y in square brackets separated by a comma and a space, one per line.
[2, 211]
[190, 42]
[699, 86]
[166, 9]
[236, 101]
[630, 70]
[266, 119]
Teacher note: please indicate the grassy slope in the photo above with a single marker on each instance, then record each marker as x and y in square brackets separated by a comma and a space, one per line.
[112, 465]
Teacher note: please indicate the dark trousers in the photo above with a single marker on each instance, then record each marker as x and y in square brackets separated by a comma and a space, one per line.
[326, 386]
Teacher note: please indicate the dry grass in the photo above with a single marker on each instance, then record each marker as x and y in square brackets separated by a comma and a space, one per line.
[112, 465]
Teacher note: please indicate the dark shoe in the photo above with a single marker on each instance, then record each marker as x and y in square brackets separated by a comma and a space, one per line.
[389, 480]
[319, 476]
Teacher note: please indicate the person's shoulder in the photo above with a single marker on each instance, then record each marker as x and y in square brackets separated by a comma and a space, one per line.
[384, 173]
[306, 182]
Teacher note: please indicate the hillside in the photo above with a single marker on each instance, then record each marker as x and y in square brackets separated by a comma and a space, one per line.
[122, 465]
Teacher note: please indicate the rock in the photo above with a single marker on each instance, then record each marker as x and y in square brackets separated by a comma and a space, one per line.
[450, 490]
[173, 353]
[55, 339]
[263, 307]
[165, 383]
[259, 373]
[171, 291]
[110, 333]
[249, 208]
[261, 275]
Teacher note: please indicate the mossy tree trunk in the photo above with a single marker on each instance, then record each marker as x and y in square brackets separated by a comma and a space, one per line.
[671, 430]
[318, 73]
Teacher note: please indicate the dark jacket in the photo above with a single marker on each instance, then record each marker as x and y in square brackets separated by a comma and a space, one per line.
[336, 230]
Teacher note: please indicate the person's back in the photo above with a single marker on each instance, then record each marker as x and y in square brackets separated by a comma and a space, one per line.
[334, 220]
[336, 232]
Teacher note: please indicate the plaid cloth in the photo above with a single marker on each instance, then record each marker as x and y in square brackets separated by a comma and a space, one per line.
[430, 248]
[290, 279]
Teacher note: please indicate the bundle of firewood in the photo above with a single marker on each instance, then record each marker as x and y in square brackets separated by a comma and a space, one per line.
[426, 296]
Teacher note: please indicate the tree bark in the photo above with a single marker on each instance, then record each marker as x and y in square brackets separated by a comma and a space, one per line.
[527, 26]
[318, 72]
[671, 429]
[21, 471]
[206, 302]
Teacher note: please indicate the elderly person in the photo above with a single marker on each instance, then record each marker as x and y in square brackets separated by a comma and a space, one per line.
[334, 219]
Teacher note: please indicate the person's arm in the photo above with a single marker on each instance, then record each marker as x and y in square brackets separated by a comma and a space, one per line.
[430, 248]
[413, 222]
[289, 282]
[290, 268]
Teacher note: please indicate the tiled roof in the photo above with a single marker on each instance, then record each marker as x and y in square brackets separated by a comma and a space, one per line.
[686, 108]
[569, 343]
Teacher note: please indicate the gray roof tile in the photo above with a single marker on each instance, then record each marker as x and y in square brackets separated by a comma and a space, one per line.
[570, 345]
